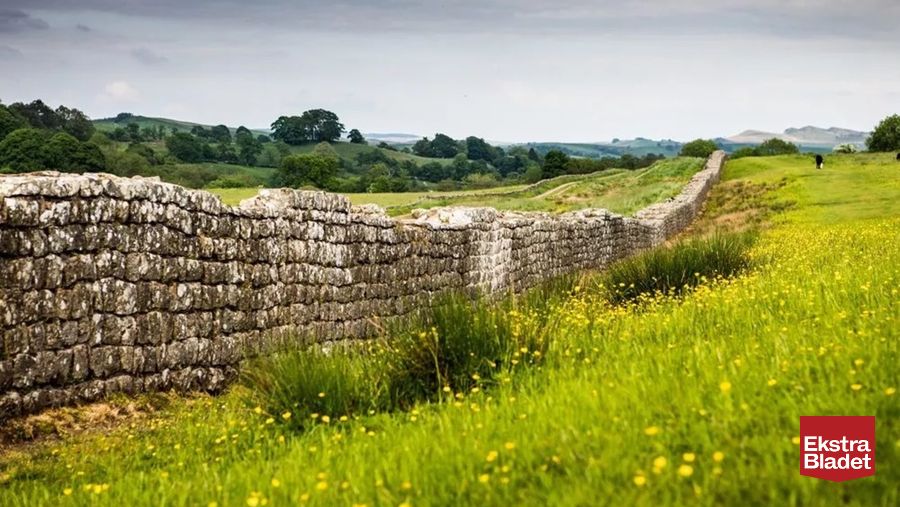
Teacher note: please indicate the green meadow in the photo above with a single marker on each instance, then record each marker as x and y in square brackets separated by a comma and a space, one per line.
[583, 392]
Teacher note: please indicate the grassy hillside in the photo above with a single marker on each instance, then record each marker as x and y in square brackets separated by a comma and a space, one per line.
[350, 151]
[617, 190]
[109, 124]
[668, 401]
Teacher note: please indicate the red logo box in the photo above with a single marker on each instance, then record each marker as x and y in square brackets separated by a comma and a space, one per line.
[837, 448]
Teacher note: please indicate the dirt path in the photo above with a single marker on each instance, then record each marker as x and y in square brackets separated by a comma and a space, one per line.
[555, 190]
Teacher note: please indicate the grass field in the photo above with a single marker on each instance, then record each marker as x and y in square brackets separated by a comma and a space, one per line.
[618, 190]
[669, 401]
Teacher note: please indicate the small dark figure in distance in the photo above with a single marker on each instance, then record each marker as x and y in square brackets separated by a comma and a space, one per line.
[820, 162]
[898, 157]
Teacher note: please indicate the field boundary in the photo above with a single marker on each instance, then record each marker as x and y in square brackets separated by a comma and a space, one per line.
[112, 284]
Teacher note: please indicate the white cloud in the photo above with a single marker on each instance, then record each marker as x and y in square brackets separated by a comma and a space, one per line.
[120, 91]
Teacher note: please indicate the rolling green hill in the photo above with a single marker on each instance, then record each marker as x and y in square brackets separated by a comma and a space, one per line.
[110, 124]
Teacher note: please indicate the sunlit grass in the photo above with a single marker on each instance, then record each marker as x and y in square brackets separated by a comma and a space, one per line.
[661, 401]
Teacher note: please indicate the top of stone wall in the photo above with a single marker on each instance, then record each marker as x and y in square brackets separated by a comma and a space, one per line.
[270, 203]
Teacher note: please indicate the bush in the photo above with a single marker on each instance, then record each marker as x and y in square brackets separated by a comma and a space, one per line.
[775, 146]
[845, 148]
[702, 148]
[886, 135]
[673, 270]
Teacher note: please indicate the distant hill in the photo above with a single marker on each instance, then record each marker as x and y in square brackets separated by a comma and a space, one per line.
[110, 124]
[615, 148]
[391, 137]
[808, 137]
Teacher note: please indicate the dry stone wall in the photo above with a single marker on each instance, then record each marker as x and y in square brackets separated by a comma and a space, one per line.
[112, 284]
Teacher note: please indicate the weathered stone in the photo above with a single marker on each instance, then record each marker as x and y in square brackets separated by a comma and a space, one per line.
[112, 284]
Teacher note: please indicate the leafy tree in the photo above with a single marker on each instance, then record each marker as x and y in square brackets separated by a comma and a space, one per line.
[356, 137]
[699, 148]
[123, 117]
[431, 171]
[126, 163]
[443, 146]
[299, 170]
[75, 123]
[149, 133]
[263, 138]
[220, 134]
[144, 151]
[199, 131]
[225, 153]
[249, 148]
[315, 125]
[886, 135]
[775, 146]
[20, 150]
[385, 146]
[460, 168]
[37, 114]
[270, 155]
[533, 173]
[242, 131]
[9, 122]
[555, 163]
[63, 152]
[324, 149]
[478, 149]
[422, 148]
[133, 131]
[746, 151]
[185, 147]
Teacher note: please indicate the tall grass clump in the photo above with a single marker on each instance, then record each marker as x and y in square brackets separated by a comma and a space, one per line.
[303, 386]
[461, 343]
[672, 270]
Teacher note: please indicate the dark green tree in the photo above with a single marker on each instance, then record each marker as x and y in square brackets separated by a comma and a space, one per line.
[422, 148]
[307, 169]
[75, 123]
[699, 148]
[443, 146]
[133, 130]
[9, 122]
[555, 163]
[248, 147]
[185, 147]
[21, 151]
[775, 146]
[63, 152]
[478, 149]
[886, 135]
[220, 134]
[315, 125]
[37, 114]
[356, 137]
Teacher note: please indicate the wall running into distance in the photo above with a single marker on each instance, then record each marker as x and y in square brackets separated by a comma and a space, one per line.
[112, 284]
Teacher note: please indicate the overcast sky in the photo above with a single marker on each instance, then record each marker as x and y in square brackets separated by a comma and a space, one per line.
[565, 70]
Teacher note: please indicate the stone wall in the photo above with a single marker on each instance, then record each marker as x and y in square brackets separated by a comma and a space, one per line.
[127, 284]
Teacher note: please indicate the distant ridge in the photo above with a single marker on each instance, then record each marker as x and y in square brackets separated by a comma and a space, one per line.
[806, 136]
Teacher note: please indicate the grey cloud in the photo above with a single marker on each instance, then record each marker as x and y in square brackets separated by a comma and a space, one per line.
[148, 57]
[8, 53]
[82, 28]
[12, 21]
[787, 18]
